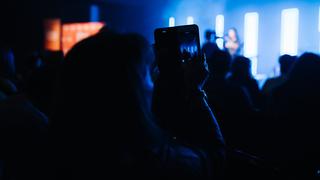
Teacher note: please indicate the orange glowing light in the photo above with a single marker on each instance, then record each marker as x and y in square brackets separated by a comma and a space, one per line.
[52, 34]
[75, 32]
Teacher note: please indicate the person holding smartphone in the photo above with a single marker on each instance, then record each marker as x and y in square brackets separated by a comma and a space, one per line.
[179, 102]
[104, 128]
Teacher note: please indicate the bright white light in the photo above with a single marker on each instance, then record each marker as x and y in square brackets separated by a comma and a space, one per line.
[172, 22]
[219, 30]
[190, 20]
[254, 66]
[289, 31]
[220, 42]
[219, 25]
[319, 27]
[251, 35]
[319, 19]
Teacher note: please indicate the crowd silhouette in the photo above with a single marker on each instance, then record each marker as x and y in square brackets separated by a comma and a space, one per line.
[113, 108]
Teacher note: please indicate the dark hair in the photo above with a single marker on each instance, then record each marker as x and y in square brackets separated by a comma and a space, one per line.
[209, 33]
[286, 61]
[241, 67]
[103, 70]
[306, 71]
[219, 63]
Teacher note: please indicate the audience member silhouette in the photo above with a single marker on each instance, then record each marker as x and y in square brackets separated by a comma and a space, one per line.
[295, 131]
[241, 76]
[7, 64]
[181, 108]
[106, 118]
[229, 103]
[32, 63]
[103, 126]
[40, 83]
[210, 46]
[23, 129]
[7, 72]
[7, 88]
[286, 62]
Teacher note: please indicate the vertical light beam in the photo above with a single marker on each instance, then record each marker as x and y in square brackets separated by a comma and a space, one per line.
[219, 25]
[251, 35]
[219, 30]
[172, 22]
[190, 20]
[94, 13]
[319, 27]
[289, 31]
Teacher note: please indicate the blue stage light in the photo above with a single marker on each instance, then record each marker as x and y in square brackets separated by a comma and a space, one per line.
[94, 13]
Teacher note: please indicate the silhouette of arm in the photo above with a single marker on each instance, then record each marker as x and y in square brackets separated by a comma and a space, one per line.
[207, 132]
[205, 122]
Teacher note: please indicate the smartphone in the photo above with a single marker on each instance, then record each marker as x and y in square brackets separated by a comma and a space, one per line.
[176, 45]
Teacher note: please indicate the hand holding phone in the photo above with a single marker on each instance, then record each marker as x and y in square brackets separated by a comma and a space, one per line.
[196, 74]
[179, 55]
[177, 45]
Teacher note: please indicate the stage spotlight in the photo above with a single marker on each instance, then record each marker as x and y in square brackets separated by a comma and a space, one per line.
[94, 13]
[251, 35]
[172, 22]
[72, 33]
[52, 34]
[190, 20]
[319, 26]
[319, 20]
[220, 43]
[219, 25]
[289, 31]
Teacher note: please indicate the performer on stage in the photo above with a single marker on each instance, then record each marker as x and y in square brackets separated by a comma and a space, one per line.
[232, 42]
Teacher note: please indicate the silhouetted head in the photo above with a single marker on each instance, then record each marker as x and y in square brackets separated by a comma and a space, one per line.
[305, 73]
[141, 56]
[219, 63]
[103, 90]
[7, 64]
[41, 77]
[286, 62]
[210, 35]
[241, 68]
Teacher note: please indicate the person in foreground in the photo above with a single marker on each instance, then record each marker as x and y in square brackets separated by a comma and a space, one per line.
[103, 126]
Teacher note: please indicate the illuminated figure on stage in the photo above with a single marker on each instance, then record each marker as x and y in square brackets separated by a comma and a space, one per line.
[232, 42]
